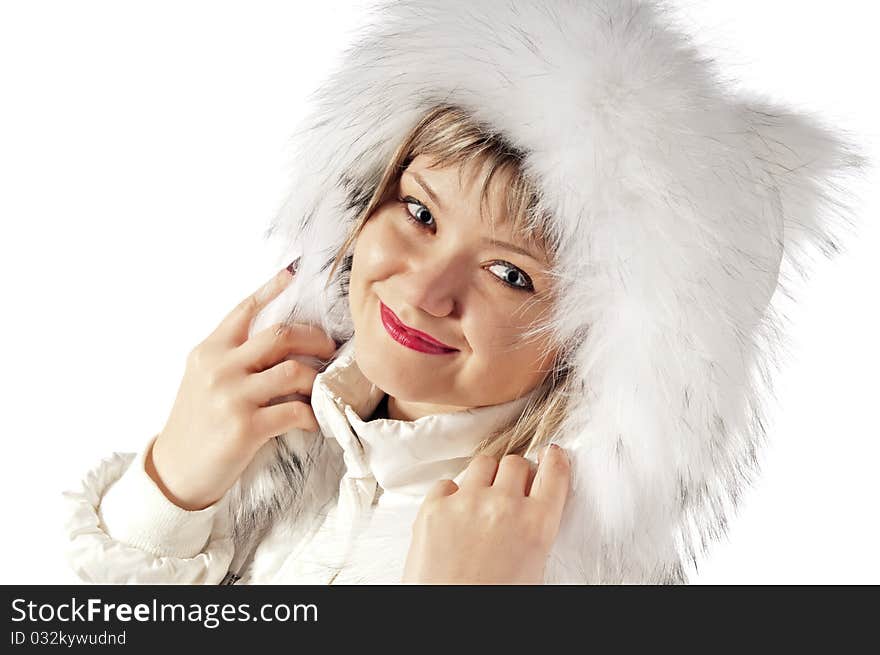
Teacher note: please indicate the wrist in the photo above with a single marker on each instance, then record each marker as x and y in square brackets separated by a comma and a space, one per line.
[181, 498]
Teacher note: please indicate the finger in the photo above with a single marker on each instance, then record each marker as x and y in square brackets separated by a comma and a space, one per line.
[512, 475]
[532, 470]
[269, 346]
[233, 329]
[552, 479]
[287, 377]
[480, 472]
[277, 419]
[441, 488]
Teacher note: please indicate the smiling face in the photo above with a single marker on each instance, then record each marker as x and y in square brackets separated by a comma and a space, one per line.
[427, 255]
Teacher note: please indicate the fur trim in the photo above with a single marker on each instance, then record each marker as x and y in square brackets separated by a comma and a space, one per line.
[679, 209]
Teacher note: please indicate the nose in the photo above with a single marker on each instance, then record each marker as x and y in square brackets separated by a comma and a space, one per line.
[435, 285]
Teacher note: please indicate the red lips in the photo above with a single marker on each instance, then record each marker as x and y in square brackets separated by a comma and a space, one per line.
[410, 337]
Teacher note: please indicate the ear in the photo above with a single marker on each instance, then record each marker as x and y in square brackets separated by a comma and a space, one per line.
[804, 163]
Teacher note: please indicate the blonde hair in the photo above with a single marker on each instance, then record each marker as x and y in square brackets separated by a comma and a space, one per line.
[449, 135]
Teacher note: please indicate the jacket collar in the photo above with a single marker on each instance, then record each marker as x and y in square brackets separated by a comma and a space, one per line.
[405, 457]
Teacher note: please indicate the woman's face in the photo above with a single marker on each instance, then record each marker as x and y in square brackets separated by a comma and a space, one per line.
[429, 259]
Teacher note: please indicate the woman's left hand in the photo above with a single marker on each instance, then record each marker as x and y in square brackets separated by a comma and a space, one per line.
[497, 528]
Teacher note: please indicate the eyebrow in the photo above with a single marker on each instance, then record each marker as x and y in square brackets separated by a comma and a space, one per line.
[511, 246]
[501, 244]
[422, 183]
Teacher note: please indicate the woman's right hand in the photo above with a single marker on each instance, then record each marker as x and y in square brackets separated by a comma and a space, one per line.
[221, 416]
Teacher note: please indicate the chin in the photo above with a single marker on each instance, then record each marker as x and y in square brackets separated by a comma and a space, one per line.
[385, 366]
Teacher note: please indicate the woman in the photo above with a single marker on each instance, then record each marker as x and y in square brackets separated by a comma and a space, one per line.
[649, 216]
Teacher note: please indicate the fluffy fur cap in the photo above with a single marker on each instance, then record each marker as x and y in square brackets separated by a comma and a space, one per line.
[681, 207]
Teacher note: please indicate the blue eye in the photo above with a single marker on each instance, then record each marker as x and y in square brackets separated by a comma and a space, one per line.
[513, 276]
[509, 280]
[408, 201]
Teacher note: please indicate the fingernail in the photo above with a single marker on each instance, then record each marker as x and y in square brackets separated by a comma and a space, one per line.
[291, 268]
[543, 452]
[560, 450]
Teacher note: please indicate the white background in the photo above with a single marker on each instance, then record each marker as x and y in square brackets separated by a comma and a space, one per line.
[142, 156]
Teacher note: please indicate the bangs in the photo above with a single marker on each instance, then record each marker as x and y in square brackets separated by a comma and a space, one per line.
[451, 138]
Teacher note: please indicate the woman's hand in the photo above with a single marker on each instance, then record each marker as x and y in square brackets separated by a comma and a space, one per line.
[497, 528]
[222, 415]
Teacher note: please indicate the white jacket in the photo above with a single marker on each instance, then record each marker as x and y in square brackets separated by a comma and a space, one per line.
[123, 529]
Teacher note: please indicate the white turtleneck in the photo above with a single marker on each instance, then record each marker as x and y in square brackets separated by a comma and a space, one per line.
[401, 457]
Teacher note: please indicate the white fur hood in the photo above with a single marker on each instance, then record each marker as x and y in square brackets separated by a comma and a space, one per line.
[678, 209]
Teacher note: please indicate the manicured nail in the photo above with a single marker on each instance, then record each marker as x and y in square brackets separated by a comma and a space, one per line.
[560, 451]
[291, 268]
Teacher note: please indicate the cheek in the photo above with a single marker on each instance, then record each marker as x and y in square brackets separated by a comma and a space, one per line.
[499, 324]
[493, 340]
[525, 362]
[376, 249]
[502, 348]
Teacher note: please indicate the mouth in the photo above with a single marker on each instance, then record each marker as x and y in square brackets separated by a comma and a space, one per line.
[409, 337]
